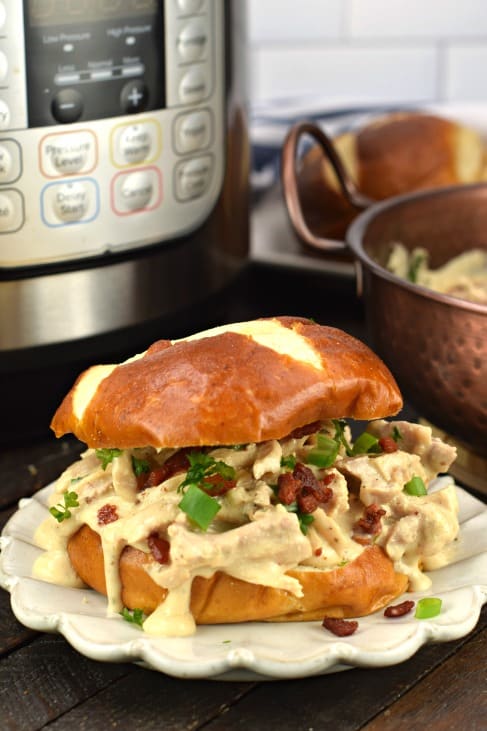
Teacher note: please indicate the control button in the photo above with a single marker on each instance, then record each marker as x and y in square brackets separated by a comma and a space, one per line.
[135, 143]
[134, 97]
[193, 87]
[193, 131]
[3, 66]
[71, 201]
[5, 163]
[189, 6]
[10, 161]
[193, 177]
[140, 190]
[192, 41]
[136, 191]
[69, 153]
[11, 210]
[67, 106]
[4, 115]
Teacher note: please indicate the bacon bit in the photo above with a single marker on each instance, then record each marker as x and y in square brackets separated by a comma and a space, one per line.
[159, 547]
[318, 551]
[370, 522]
[388, 445]
[340, 627]
[219, 486]
[399, 610]
[107, 514]
[303, 487]
[303, 431]
[177, 462]
[289, 487]
[362, 540]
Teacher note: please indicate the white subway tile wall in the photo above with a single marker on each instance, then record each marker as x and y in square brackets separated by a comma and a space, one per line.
[368, 51]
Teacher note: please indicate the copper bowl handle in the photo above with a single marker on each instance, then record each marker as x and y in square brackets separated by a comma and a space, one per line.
[290, 184]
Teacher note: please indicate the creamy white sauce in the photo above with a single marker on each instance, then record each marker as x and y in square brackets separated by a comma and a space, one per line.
[464, 276]
[252, 538]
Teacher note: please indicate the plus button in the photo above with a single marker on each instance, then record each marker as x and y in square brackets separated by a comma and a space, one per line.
[134, 96]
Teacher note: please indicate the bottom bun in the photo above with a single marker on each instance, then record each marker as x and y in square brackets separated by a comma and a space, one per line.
[360, 587]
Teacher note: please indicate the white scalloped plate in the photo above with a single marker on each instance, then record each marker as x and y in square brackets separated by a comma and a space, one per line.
[253, 650]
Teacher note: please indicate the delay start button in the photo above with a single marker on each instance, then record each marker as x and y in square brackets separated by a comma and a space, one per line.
[193, 177]
[71, 201]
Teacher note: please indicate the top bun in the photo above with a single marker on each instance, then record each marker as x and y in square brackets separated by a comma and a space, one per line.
[240, 383]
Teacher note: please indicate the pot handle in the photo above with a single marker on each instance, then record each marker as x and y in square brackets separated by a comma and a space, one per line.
[290, 185]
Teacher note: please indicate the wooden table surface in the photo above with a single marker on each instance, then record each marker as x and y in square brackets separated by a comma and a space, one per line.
[44, 683]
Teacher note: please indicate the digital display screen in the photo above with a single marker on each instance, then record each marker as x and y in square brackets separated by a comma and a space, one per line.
[61, 12]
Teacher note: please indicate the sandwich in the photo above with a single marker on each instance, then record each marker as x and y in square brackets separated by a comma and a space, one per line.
[222, 483]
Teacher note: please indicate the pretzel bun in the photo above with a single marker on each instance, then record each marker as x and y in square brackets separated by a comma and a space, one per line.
[362, 586]
[240, 383]
[395, 154]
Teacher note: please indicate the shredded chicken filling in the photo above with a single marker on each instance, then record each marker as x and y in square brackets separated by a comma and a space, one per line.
[281, 510]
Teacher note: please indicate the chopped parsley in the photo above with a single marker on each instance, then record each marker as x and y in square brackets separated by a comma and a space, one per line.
[140, 466]
[416, 261]
[62, 511]
[396, 434]
[134, 617]
[107, 455]
[201, 467]
[289, 462]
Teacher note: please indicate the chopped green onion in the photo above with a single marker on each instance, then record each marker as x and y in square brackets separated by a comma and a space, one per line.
[365, 443]
[199, 507]
[416, 487]
[428, 607]
[107, 455]
[134, 617]
[140, 466]
[289, 462]
[61, 511]
[325, 453]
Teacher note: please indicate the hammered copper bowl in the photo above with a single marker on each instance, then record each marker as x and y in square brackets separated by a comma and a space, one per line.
[435, 344]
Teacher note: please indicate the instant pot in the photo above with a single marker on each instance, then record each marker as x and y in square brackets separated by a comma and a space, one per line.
[123, 183]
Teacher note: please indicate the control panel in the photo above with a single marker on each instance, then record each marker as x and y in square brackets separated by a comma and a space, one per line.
[111, 124]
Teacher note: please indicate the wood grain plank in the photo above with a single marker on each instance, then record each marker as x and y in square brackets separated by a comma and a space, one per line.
[454, 696]
[47, 678]
[342, 701]
[150, 701]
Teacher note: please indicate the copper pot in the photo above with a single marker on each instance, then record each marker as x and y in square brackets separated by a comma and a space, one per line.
[435, 344]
